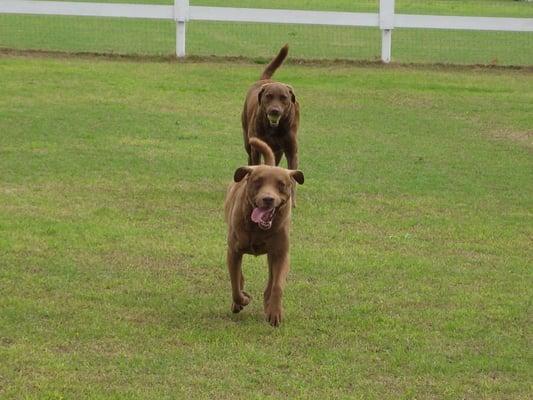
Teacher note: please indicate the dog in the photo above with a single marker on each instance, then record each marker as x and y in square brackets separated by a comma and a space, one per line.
[258, 214]
[272, 114]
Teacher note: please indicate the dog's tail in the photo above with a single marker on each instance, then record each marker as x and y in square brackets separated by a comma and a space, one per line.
[275, 63]
[264, 149]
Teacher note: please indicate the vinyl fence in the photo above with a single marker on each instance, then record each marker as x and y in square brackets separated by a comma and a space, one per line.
[386, 20]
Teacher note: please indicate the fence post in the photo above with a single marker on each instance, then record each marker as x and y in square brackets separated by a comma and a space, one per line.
[386, 24]
[181, 16]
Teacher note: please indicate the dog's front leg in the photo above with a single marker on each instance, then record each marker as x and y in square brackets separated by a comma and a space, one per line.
[268, 289]
[240, 297]
[292, 157]
[254, 158]
[292, 163]
[278, 264]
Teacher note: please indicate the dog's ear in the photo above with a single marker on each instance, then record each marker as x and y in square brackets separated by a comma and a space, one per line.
[298, 176]
[241, 172]
[260, 94]
[291, 91]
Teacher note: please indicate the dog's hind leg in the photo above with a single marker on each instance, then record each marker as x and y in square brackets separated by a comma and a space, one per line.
[278, 156]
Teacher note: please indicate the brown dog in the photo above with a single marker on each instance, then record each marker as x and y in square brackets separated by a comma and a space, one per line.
[272, 114]
[258, 212]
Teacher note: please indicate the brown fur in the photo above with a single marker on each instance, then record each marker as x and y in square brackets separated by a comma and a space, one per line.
[252, 187]
[267, 97]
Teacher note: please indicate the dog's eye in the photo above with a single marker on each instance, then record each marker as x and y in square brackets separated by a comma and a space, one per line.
[281, 186]
[268, 96]
[283, 98]
[257, 183]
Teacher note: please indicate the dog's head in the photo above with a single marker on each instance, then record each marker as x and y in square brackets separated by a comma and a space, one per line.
[267, 189]
[276, 100]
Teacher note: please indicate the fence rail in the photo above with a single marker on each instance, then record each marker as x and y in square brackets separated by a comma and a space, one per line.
[83, 9]
[181, 12]
[230, 14]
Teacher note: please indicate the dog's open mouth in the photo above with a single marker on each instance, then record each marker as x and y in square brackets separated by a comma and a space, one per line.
[273, 119]
[263, 217]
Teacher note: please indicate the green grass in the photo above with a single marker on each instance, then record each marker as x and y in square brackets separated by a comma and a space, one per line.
[411, 244]
[126, 36]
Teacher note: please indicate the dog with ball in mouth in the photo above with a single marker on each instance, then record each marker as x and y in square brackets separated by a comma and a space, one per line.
[258, 213]
[272, 114]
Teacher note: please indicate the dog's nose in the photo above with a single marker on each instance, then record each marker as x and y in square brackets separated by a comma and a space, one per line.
[268, 201]
[275, 112]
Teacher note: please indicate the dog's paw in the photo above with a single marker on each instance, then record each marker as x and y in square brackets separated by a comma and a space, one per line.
[273, 315]
[241, 302]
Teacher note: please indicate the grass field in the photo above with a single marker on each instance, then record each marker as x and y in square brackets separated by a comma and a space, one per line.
[126, 36]
[411, 257]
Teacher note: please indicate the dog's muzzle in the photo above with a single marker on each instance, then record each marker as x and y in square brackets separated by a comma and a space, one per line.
[273, 119]
[263, 217]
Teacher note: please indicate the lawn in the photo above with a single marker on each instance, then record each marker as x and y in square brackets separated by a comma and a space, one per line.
[411, 244]
[149, 37]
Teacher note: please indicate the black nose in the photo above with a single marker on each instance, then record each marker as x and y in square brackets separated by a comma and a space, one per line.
[274, 112]
[268, 201]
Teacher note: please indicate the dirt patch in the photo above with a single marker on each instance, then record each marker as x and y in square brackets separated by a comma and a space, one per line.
[524, 138]
[259, 60]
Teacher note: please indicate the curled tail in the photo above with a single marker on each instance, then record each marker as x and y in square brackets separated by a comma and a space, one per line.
[264, 149]
[275, 63]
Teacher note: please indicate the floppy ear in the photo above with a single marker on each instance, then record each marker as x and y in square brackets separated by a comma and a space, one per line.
[291, 91]
[240, 173]
[260, 94]
[298, 176]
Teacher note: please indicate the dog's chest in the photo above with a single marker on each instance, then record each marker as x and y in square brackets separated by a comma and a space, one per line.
[255, 244]
[275, 133]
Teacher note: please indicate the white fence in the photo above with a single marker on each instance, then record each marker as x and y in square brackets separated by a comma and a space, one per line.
[181, 12]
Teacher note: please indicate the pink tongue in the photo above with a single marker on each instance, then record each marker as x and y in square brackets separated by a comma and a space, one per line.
[259, 214]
